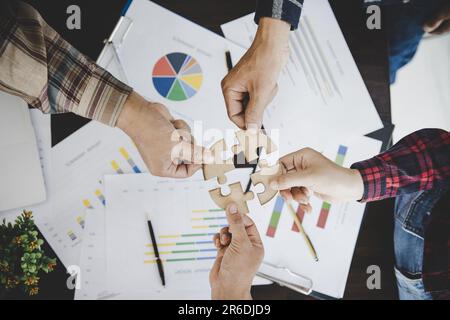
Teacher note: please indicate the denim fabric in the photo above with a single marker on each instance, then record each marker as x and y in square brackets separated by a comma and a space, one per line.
[412, 212]
[405, 28]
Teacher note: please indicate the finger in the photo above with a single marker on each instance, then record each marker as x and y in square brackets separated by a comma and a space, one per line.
[306, 207]
[252, 230]
[216, 241]
[254, 112]
[292, 179]
[286, 194]
[216, 266]
[236, 224]
[181, 125]
[299, 195]
[234, 101]
[225, 236]
[187, 152]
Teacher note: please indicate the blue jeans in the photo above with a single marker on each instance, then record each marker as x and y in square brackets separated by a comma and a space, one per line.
[405, 30]
[411, 214]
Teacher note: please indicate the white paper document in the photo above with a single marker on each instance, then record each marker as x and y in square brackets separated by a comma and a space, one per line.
[184, 219]
[93, 259]
[78, 165]
[22, 181]
[171, 60]
[321, 92]
[332, 228]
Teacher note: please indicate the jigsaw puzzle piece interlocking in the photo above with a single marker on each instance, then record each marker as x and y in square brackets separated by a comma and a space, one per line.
[220, 167]
[236, 195]
[264, 176]
[250, 141]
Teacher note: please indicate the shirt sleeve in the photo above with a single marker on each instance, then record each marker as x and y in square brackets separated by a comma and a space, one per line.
[286, 10]
[420, 161]
[38, 65]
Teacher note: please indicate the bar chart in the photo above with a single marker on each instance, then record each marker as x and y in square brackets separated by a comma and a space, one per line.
[196, 245]
[323, 213]
[326, 207]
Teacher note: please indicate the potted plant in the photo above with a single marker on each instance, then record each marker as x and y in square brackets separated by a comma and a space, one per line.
[22, 261]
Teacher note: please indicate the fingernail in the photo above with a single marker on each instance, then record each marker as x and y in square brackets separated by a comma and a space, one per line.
[274, 185]
[233, 208]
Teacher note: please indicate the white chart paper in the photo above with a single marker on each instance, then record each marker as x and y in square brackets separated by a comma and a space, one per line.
[333, 228]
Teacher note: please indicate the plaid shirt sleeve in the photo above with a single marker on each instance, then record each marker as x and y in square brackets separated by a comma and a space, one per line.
[420, 161]
[50, 74]
[286, 10]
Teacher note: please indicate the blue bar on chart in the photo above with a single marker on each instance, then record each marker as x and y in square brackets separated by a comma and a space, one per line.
[130, 161]
[275, 218]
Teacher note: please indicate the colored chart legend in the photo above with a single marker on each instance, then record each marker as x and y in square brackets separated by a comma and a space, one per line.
[116, 167]
[326, 207]
[87, 204]
[72, 235]
[80, 221]
[177, 76]
[130, 161]
[100, 196]
[275, 218]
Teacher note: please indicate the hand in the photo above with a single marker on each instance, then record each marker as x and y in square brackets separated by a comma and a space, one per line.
[254, 78]
[164, 143]
[440, 22]
[307, 171]
[239, 254]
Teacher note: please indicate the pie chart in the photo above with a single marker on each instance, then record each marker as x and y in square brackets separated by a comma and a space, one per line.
[177, 76]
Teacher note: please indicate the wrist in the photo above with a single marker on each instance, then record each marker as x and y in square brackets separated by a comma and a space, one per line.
[130, 113]
[274, 32]
[222, 293]
[357, 184]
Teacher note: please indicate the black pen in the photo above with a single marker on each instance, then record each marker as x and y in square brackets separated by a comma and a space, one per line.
[156, 252]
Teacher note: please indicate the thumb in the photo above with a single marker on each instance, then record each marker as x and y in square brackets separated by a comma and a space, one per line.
[236, 222]
[292, 179]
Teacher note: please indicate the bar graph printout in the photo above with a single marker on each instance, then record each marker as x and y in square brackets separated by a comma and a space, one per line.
[79, 164]
[332, 227]
[184, 219]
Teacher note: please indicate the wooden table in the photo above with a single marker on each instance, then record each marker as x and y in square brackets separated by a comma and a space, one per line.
[369, 49]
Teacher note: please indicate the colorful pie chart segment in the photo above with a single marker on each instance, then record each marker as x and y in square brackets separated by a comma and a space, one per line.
[177, 76]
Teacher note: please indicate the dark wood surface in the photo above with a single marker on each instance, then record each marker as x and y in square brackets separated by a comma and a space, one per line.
[369, 49]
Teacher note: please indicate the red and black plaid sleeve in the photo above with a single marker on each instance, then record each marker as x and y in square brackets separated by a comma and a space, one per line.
[419, 161]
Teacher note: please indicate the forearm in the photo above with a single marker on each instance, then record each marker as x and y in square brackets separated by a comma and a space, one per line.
[51, 75]
[418, 162]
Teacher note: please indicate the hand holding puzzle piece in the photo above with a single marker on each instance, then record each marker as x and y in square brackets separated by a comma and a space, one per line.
[249, 142]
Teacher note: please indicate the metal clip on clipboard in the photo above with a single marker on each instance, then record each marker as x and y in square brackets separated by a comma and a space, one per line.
[109, 57]
[285, 277]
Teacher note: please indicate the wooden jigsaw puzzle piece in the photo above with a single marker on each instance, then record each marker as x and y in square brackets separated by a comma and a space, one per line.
[250, 141]
[264, 176]
[220, 167]
[236, 195]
